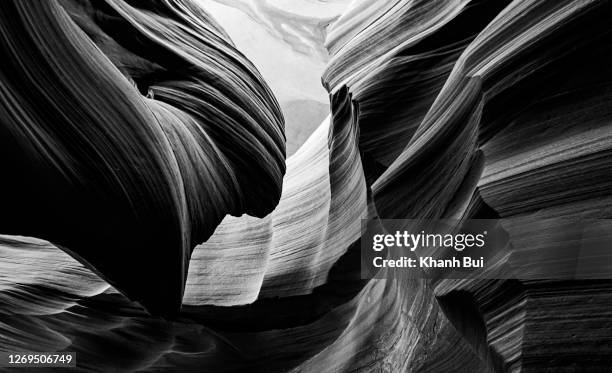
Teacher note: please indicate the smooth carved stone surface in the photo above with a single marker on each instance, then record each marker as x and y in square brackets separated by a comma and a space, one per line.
[439, 109]
[129, 131]
[291, 251]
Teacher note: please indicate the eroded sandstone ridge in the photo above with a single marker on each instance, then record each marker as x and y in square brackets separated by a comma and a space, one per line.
[129, 130]
[133, 133]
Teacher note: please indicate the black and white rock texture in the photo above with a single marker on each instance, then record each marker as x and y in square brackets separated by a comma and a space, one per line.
[151, 220]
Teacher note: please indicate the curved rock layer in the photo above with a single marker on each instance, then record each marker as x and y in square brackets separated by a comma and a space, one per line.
[519, 130]
[291, 251]
[440, 109]
[119, 179]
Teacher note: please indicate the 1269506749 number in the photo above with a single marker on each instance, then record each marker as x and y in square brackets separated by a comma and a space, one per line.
[37, 359]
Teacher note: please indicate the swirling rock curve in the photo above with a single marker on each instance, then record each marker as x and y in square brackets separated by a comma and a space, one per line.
[121, 180]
